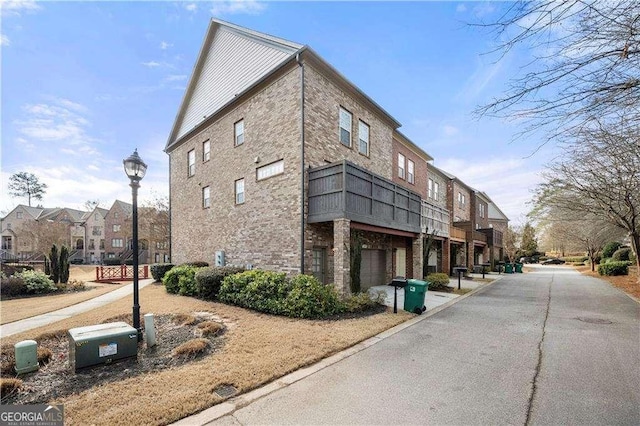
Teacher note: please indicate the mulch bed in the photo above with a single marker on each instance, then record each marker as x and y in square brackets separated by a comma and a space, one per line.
[57, 379]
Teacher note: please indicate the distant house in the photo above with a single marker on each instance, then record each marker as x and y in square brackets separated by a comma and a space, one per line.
[94, 226]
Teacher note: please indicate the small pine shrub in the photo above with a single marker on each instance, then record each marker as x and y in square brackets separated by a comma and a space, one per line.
[191, 348]
[159, 269]
[8, 385]
[183, 319]
[64, 265]
[210, 328]
[37, 282]
[622, 254]
[614, 268]
[13, 286]
[209, 280]
[181, 280]
[610, 248]
[437, 281]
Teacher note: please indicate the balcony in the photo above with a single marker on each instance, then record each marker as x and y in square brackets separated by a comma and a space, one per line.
[494, 237]
[435, 220]
[476, 237]
[457, 234]
[344, 190]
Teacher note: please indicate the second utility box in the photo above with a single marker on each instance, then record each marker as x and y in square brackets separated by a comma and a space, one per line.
[101, 344]
[414, 294]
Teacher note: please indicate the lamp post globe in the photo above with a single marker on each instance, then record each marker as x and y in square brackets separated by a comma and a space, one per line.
[135, 169]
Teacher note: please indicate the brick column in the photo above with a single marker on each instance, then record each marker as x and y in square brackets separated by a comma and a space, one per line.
[417, 258]
[446, 256]
[341, 258]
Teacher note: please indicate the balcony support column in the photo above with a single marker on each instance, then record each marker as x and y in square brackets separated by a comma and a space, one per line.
[418, 259]
[341, 255]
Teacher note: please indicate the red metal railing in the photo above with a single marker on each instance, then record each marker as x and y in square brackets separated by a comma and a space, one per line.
[120, 273]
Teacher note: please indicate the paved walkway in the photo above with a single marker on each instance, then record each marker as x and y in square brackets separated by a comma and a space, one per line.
[51, 317]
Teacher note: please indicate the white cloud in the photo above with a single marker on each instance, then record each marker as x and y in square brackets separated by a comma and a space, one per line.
[164, 45]
[174, 77]
[191, 7]
[235, 7]
[151, 64]
[461, 8]
[17, 7]
[4, 40]
[450, 130]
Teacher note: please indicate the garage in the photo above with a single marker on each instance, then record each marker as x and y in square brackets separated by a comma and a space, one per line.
[373, 269]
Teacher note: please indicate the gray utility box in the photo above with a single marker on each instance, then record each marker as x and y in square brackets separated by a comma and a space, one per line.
[101, 344]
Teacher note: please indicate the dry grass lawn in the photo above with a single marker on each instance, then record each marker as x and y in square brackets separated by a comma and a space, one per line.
[627, 283]
[258, 349]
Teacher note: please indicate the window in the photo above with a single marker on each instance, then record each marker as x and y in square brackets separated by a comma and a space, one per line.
[345, 127]
[238, 133]
[436, 190]
[239, 191]
[117, 242]
[401, 170]
[270, 170]
[363, 135]
[116, 228]
[8, 226]
[92, 244]
[115, 215]
[482, 210]
[101, 244]
[430, 188]
[461, 199]
[411, 174]
[18, 215]
[206, 197]
[206, 151]
[96, 230]
[318, 268]
[111, 255]
[191, 157]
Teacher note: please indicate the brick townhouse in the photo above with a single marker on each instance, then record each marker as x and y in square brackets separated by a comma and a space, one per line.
[277, 161]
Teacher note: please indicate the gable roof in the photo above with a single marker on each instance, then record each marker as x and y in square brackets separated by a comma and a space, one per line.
[402, 138]
[495, 213]
[125, 207]
[227, 50]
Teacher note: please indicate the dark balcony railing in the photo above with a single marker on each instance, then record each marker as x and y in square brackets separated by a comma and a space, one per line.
[494, 237]
[435, 220]
[476, 236]
[344, 190]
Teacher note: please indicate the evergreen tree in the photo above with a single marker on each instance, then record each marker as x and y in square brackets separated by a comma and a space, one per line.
[54, 264]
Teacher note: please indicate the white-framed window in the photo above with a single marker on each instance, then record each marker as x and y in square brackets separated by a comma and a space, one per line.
[363, 136]
[430, 183]
[117, 242]
[116, 228]
[436, 190]
[191, 158]
[482, 210]
[206, 151]
[115, 215]
[269, 170]
[111, 255]
[18, 215]
[461, 199]
[239, 185]
[238, 133]
[402, 174]
[345, 127]
[411, 171]
[206, 197]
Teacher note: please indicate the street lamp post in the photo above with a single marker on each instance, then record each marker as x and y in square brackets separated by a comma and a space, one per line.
[135, 169]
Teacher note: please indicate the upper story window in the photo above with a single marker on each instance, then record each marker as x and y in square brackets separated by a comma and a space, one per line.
[116, 228]
[269, 170]
[436, 190]
[191, 156]
[239, 185]
[115, 215]
[411, 174]
[345, 127]
[482, 210]
[238, 132]
[8, 226]
[401, 167]
[117, 242]
[363, 135]
[430, 188]
[461, 199]
[206, 197]
[206, 151]
[18, 215]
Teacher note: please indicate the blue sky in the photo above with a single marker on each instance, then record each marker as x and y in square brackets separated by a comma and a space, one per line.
[85, 83]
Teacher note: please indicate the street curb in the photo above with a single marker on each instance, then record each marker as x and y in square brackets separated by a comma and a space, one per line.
[231, 405]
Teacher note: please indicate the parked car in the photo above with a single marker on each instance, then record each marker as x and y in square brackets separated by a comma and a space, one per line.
[553, 261]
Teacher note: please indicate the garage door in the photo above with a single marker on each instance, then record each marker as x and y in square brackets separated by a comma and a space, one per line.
[373, 270]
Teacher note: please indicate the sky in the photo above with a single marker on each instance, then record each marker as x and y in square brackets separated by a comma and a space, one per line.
[83, 84]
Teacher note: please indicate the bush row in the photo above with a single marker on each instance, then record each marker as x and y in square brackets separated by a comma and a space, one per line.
[437, 281]
[27, 282]
[576, 259]
[159, 269]
[614, 268]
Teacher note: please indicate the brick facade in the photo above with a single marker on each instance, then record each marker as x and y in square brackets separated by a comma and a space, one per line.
[420, 179]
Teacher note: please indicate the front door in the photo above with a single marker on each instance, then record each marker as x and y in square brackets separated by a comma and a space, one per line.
[401, 262]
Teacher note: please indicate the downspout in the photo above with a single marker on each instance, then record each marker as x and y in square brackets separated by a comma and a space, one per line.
[169, 213]
[302, 171]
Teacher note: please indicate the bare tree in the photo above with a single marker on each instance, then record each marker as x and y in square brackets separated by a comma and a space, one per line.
[511, 241]
[28, 185]
[600, 178]
[586, 62]
[42, 234]
[90, 205]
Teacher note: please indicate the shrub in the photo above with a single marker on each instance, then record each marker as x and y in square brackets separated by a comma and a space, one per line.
[13, 286]
[54, 264]
[64, 264]
[113, 261]
[191, 348]
[209, 280]
[8, 385]
[181, 280]
[361, 302]
[183, 319]
[37, 282]
[44, 355]
[622, 254]
[263, 291]
[196, 264]
[437, 281]
[308, 298]
[610, 248]
[576, 259]
[614, 268]
[10, 270]
[159, 269]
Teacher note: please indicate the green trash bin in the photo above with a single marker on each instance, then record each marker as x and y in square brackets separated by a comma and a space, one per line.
[519, 268]
[414, 294]
[508, 268]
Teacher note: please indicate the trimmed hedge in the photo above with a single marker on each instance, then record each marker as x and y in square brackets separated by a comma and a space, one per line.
[158, 270]
[437, 281]
[37, 282]
[614, 268]
[181, 280]
[196, 264]
[209, 280]
[622, 254]
[112, 262]
[301, 297]
[576, 259]
[610, 248]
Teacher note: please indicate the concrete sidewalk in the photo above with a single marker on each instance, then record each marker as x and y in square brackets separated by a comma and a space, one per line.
[51, 317]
